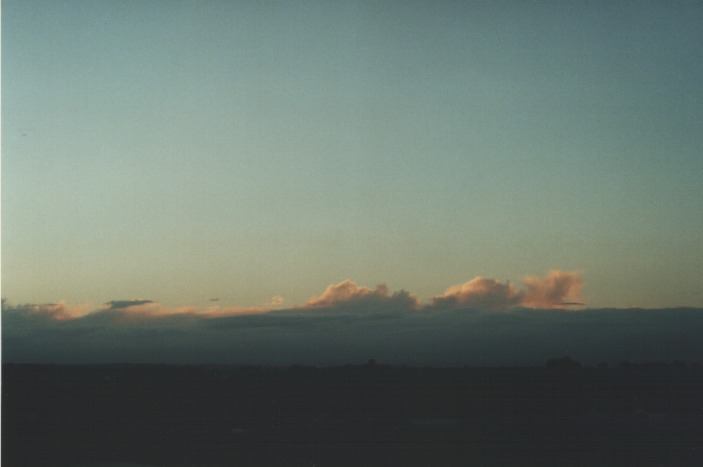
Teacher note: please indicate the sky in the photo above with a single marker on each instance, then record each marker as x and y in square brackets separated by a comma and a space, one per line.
[248, 155]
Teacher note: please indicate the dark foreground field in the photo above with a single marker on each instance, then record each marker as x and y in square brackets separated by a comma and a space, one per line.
[354, 415]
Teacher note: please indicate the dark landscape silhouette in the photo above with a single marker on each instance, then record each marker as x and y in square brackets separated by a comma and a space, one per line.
[564, 413]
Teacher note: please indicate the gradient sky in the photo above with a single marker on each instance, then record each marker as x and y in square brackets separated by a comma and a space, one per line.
[179, 151]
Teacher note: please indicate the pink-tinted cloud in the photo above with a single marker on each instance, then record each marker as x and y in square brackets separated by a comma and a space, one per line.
[551, 291]
[481, 293]
[348, 293]
[147, 309]
[554, 290]
[58, 311]
[217, 311]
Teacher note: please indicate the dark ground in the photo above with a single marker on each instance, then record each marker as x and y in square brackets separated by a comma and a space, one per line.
[350, 416]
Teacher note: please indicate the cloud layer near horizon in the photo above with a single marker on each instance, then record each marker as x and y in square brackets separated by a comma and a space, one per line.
[551, 291]
[480, 322]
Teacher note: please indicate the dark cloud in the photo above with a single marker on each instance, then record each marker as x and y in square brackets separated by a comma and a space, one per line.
[333, 335]
[117, 304]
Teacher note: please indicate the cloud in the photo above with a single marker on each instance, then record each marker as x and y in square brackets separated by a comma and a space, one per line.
[122, 312]
[216, 311]
[276, 301]
[555, 290]
[117, 304]
[154, 310]
[480, 293]
[347, 293]
[56, 311]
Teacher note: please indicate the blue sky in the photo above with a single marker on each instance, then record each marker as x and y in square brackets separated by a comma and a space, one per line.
[178, 151]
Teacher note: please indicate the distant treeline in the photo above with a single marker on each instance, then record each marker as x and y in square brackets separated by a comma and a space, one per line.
[568, 362]
[371, 364]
